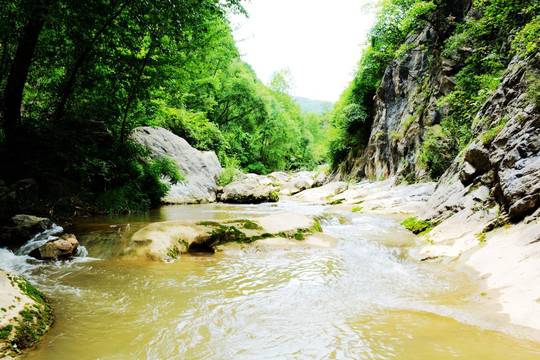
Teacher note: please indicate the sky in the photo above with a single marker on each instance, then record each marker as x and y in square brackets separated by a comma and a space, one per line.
[318, 41]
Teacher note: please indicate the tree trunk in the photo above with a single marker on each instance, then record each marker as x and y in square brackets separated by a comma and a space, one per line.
[83, 55]
[13, 92]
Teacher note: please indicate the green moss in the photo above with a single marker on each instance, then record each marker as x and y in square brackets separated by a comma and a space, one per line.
[174, 252]
[260, 237]
[5, 331]
[226, 234]
[489, 135]
[336, 202]
[209, 223]
[481, 237]
[417, 226]
[248, 224]
[533, 89]
[396, 136]
[378, 135]
[407, 124]
[183, 243]
[274, 196]
[317, 226]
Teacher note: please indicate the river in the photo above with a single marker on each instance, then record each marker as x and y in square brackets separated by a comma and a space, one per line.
[364, 299]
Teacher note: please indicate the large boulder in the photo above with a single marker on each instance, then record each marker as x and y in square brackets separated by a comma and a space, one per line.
[168, 240]
[22, 228]
[201, 169]
[248, 192]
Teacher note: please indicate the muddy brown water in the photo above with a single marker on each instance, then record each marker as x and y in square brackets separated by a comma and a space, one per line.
[364, 299]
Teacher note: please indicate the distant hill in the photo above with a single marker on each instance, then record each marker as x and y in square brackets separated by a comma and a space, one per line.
[313, 106]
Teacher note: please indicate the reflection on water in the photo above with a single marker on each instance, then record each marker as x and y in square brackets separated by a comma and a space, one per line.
[363, 299]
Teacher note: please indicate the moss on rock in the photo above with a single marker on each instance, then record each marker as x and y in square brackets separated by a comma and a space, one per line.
[417, 226]
[26, 320]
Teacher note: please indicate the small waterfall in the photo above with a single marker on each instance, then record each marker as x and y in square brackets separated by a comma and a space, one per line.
[20, 262]
[39, 240]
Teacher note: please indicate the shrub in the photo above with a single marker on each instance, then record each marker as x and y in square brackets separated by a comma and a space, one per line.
[435, 155]
[230, 174]
[144, 190]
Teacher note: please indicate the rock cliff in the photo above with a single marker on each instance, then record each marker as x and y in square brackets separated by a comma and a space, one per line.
[502, 159]
[406, 102]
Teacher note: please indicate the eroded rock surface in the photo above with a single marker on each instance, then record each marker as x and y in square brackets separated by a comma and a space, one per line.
[169, 239]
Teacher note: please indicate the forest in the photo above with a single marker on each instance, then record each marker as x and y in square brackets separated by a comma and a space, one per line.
[77, 77]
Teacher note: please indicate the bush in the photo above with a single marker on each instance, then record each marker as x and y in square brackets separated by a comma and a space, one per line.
[145, 190]
[435, 155]
[257, 168]
[231, 171]
[194, 127]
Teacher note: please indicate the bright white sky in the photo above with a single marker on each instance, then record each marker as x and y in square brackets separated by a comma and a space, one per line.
[319, 41]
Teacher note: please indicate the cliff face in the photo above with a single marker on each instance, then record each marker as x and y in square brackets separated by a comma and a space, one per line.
[406, 101]
[504, 158]
[503, 154]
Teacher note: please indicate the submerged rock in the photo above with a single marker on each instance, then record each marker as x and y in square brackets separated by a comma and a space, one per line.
[201, 169]
[25, 314]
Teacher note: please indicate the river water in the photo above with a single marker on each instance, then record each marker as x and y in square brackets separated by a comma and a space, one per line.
[363, 299]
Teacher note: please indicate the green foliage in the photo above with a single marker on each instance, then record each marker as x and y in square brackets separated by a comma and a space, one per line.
[527, 41]
[533, 89]
[5, 331]
[481, 45]
[489, 135]
[250, 225]
[417, 226]
[435, 156]
[144, 190]
[336, 202]
[274, 196]
[230, 172]
[317, 226]
[102, 68]
[353, 114]
[417, 16]
[195, 128]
